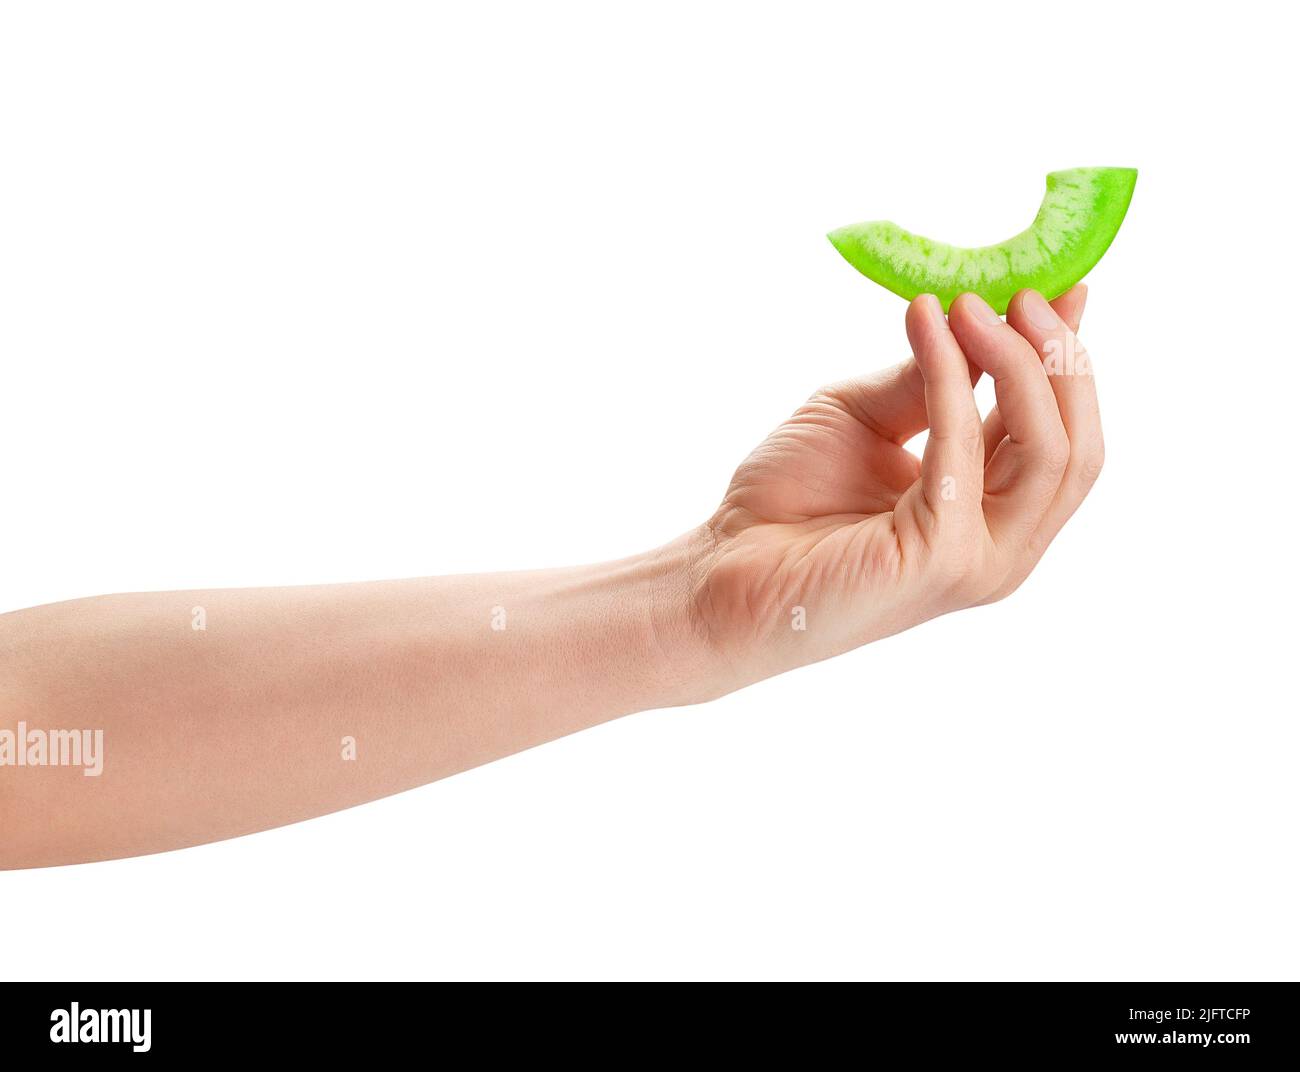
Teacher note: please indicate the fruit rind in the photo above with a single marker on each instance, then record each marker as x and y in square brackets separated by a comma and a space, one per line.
[1078, 219]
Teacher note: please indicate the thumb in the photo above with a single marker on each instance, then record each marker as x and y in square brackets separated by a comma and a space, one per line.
[891, 402]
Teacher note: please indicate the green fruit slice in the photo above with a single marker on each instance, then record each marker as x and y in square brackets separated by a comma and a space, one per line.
[1080, 215]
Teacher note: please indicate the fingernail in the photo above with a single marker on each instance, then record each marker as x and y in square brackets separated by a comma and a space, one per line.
[1040, 314]
[983, 310]
[932, 308]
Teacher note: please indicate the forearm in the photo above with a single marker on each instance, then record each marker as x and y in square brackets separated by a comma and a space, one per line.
[293, 702]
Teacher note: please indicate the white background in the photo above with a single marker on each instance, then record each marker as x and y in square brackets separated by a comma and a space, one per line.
[323, 292]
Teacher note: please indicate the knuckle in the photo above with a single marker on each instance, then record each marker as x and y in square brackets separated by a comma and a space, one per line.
[967, 438]
[827, 393]
[990, 586]
[1002, 591]
[1056, 453]
[977, 590]
[947, 566]
[821, 400]
[962, 574]
[1007, 581]
[841, 393]
[970, 436]
[954, 570]
[1036, 546]
[1091, 461]
[831, 402]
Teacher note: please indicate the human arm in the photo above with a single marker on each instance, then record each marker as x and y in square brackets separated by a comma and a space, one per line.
[831, 535]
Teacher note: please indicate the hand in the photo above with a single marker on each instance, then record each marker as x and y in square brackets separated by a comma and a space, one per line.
[832, 534]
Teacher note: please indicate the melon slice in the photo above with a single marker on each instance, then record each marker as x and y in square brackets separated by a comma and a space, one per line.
[1080, 215]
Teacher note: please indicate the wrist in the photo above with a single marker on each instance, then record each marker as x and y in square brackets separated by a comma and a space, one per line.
[690, 668]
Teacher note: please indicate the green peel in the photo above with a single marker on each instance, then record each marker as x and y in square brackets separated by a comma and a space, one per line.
[1079, 217]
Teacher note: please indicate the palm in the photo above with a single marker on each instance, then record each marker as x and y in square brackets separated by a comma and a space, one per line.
[808, 524]
[826, 461]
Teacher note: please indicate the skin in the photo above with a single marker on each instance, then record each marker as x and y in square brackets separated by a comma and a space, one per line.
[215, 733]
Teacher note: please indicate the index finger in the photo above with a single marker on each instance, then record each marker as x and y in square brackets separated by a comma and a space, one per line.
[1023, 476]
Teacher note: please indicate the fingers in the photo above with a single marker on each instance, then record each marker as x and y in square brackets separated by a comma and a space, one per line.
[1069, 307]
[994, 433]
[891, 402]
[1069, 373]
[952, 465]
[1022, 477]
